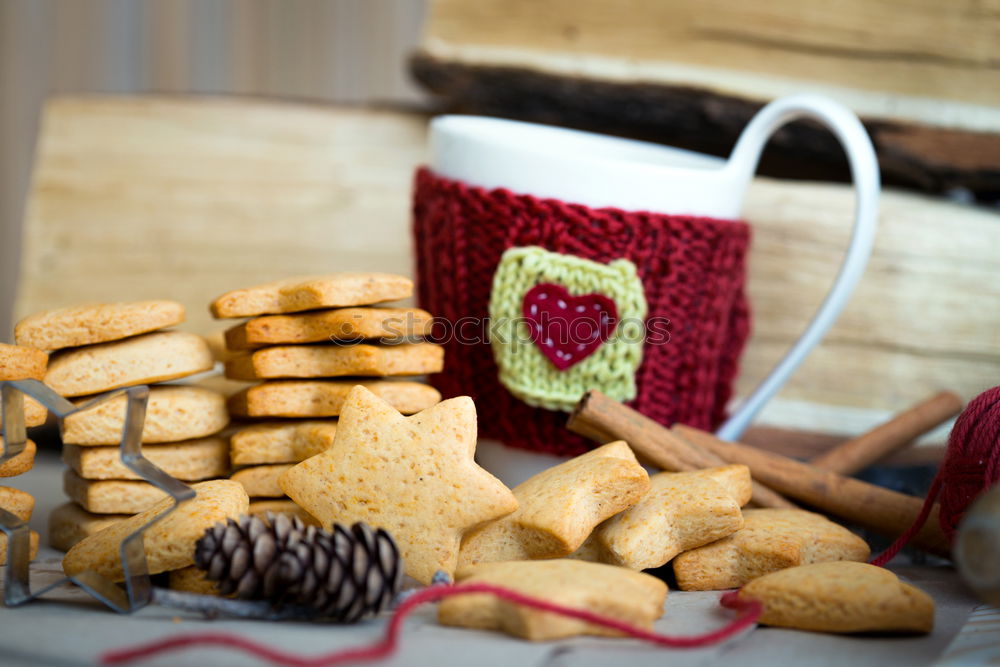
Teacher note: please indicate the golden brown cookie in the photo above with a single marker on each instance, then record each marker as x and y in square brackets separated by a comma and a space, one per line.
[17, 502]
[339, 325]
[190, 460]
[414, 476]
[293, 295]
[191, 579]
[21, 363]
[69, 523]
[770, 540]
[145, 359]
[262, 481]
[21, 463]
[92, 323]
[559, 507]
[281, 441]
[842, 596]
[3, 547]
[281, 506]
[217, 344]
[681, 511]
[319, 361]
[169, 543]
[35, 413]
[631, 597]
[173, 413]
[24, 363]
[732, 479]
[324, 398]
[111, 496]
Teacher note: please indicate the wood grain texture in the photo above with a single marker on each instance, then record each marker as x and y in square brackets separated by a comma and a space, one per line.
[917, 322]
[194, 198]
[185, 199]
[324, 50]
[688, 113]
[888, 48]
[690, 73]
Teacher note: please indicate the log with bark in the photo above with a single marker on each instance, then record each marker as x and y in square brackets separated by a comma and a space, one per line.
[691, 74]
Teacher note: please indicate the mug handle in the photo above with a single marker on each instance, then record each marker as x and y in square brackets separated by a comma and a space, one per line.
[865, 176]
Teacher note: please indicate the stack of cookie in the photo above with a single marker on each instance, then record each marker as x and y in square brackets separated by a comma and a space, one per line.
[309, 361]
[100, 347]
[601, 506]
[21, 363]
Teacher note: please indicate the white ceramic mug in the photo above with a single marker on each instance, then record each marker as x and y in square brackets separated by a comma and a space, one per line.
[603, 171]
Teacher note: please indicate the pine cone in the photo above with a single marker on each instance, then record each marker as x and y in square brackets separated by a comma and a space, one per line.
[342, 574]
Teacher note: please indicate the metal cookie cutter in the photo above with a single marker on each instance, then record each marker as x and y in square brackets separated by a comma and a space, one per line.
[138, 588]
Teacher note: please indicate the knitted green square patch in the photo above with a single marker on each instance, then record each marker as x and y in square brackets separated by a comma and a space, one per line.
[561, 325]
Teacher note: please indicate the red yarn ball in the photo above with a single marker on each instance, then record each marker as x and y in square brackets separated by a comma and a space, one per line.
[972, 463]
[970, 467]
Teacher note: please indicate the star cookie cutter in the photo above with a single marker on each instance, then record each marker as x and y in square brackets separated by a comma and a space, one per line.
[138, 590]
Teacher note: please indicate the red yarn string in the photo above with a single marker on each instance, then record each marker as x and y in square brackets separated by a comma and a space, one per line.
[883, 558]
[971, 465]
[389, 643]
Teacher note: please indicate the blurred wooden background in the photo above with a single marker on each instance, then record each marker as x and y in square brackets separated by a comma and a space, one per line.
[234, 193]
[345, 51]
[691, 73]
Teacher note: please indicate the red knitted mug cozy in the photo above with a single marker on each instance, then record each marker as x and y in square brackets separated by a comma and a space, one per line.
[692, 270]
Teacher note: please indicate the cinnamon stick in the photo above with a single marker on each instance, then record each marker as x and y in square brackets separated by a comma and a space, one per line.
[604, 419]
[882, 510]
[858, 453]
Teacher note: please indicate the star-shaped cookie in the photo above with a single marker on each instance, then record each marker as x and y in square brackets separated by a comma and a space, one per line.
[681, 511]
[770, 540]
[560, 506]
[632, 597]
[413, 476]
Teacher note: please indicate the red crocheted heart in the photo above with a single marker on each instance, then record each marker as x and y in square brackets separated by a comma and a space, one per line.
[566, 328]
